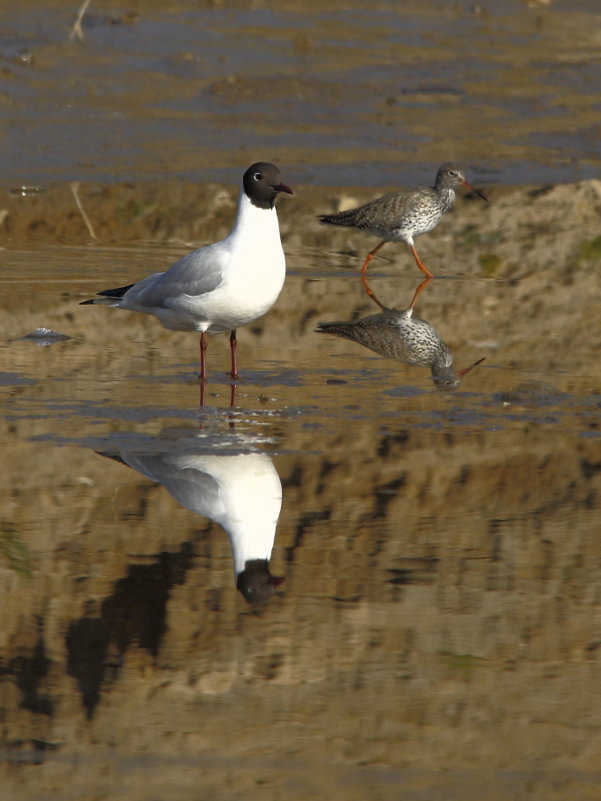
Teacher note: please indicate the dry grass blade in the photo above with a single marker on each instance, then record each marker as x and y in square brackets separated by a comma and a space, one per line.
[76, 30]
[75, 189]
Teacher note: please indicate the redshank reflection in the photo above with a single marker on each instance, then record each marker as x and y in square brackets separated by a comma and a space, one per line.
[400, 335]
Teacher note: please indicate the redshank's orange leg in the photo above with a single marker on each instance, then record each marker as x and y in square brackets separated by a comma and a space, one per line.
[370, 256]
[420, 263]
[233, 347]
[203, 357]
[366, 286]
[370, 291]
[419, 290]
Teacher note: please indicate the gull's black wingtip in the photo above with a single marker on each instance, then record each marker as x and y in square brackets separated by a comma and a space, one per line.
[118, 292]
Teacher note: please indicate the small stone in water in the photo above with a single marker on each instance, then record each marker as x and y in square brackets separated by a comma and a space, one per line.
[45, 336]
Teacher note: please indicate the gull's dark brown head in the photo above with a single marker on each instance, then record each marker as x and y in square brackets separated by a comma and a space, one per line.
[262, 184]
[256, 583]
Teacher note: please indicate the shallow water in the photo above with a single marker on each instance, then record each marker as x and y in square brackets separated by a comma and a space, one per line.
[436, 634]
[340, 95]
[436, 631]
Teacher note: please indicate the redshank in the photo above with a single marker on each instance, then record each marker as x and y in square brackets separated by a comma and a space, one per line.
[397, 334]
[223, 286]
[401, 216]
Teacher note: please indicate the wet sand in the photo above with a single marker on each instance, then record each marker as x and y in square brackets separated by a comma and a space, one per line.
[341, 94]
[437, 631]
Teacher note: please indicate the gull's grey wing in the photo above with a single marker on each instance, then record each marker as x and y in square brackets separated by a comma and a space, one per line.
[195, 274]
[189, 485]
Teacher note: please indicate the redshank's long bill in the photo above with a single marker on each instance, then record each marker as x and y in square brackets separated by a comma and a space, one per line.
[401, 216]
[222, 286]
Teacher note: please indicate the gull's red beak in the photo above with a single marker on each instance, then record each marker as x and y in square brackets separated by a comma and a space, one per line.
[477, 192]
[284, 188]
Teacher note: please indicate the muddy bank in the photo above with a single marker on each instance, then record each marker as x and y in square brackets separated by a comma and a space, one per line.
[518, 268]
[437, 630]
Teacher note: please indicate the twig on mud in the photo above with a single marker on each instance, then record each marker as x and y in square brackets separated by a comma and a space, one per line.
[75, 189]
[76, 30]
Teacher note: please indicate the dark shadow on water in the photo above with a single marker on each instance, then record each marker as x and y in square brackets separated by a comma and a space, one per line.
[134, 614]
[217, 475]
[29, 671]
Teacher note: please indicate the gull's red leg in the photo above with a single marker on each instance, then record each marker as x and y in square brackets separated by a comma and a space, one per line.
[233, 348]
[203, 357]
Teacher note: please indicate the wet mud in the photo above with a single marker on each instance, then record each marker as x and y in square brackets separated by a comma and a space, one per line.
[341, 94]
[439, 550]
[422, 616]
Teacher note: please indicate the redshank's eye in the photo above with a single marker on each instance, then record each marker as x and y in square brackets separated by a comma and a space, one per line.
[258, 176]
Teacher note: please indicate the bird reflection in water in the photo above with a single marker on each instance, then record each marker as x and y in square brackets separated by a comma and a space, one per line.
[240, 491]
[398, 334]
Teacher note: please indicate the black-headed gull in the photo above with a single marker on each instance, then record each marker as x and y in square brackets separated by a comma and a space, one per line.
[222, 286]
[242, 492]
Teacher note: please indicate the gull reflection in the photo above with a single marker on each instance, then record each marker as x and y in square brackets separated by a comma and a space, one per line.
[240, 491]
[398, 334]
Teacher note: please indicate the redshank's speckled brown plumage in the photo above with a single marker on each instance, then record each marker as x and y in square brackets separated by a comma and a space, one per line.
[397, 334]
[401, 216]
